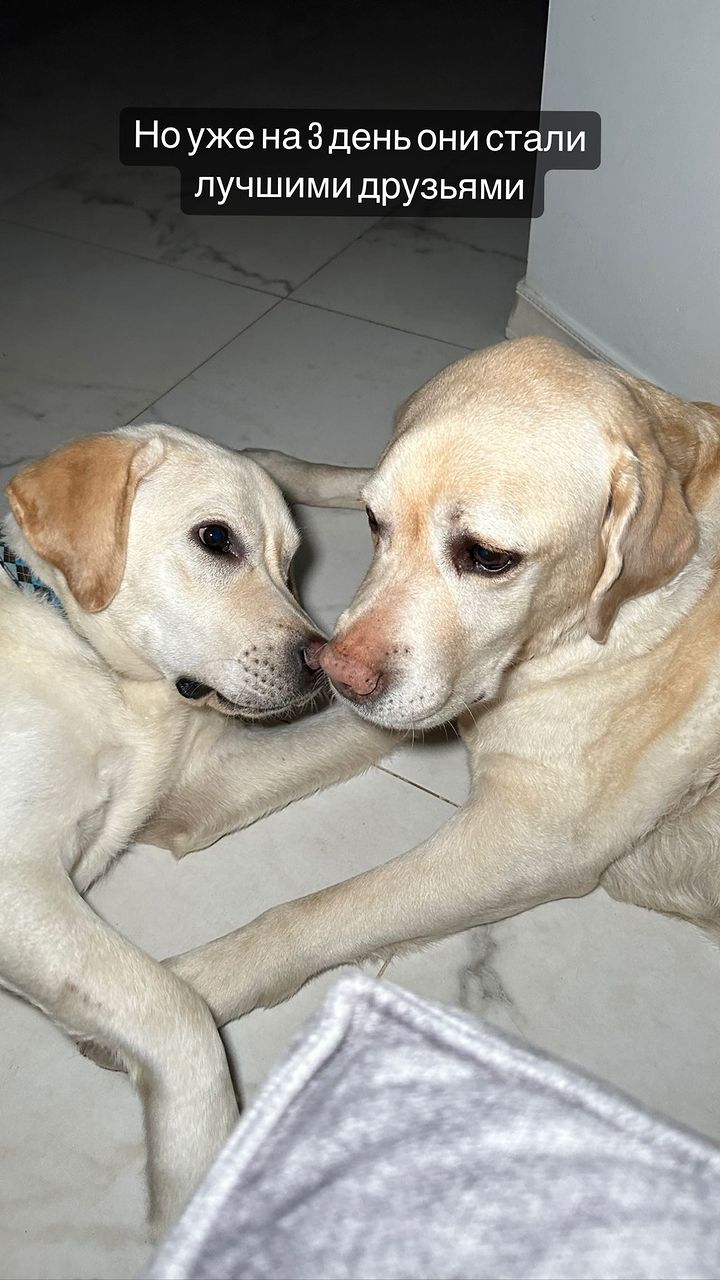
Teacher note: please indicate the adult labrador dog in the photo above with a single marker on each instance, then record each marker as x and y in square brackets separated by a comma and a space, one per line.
[155, 594]
[547, 572]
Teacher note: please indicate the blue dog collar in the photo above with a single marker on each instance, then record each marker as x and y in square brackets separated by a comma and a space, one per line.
[19, 571]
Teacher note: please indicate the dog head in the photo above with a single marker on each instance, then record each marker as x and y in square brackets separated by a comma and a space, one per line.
[172, 556]
[527, 495]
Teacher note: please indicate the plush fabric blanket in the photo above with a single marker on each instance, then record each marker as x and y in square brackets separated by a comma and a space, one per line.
[398, 1139]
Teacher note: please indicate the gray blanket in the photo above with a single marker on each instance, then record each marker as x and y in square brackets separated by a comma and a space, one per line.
[398, 1139]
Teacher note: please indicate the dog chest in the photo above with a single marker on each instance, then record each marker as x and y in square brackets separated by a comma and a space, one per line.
[131, 766]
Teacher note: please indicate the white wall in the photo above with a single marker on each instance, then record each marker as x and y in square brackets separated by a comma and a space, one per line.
[628, 257]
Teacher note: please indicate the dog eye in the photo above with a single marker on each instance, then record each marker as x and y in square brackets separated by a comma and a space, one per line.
[474, 557]
[215, 537]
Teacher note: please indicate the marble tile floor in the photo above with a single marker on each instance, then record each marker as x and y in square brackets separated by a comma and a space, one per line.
[303, 334]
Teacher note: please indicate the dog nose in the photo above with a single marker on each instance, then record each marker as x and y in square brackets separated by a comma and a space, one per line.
[307, 657]
[189, 688]
[351, 677]
[311, 652]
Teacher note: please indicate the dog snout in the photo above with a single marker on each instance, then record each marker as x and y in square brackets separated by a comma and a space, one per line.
[352, 677]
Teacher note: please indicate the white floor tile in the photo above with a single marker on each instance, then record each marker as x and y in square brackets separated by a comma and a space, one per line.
[449, 278]
[137, 210]
[309, 382]
[626, 994]
[72, 1158]
[506, 237]
[89, 337]
[332, 561]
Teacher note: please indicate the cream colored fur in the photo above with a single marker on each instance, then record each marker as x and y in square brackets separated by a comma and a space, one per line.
[585, 681]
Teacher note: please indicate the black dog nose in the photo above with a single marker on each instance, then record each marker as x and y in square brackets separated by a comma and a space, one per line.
[308, 669]
[310, 649]
[189, 688]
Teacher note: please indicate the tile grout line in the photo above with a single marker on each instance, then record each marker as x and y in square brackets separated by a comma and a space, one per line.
[382, 324]
[279, 300]
[212, 355]
[236, 284]
[322, 267]
[400, 777]
[173, 266]
[140, 257]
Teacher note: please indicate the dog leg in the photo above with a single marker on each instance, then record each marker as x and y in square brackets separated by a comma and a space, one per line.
[234, 774]
[313, 483]
[492, 860]
[61, 957]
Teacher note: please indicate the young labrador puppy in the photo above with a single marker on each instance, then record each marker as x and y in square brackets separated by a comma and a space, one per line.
[155, 573]
[547, 571]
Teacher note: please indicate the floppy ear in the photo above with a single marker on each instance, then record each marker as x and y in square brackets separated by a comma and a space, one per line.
[73, 507]
[666, 451]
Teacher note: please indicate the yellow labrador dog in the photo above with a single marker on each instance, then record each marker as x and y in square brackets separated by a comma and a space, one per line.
[547, 571]
[153, 568]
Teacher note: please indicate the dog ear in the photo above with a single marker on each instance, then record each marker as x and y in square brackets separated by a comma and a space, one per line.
[73, 507]
[666, 450]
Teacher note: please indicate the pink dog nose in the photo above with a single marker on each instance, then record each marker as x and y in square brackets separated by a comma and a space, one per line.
[351, 677]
